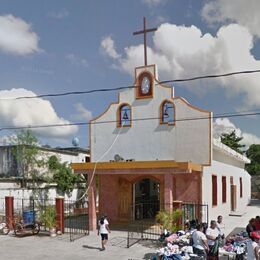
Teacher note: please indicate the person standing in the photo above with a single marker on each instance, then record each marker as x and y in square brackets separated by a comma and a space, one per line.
[103, 230]
[212, 234]
[221, 229]
[221, 226]
[200, 243]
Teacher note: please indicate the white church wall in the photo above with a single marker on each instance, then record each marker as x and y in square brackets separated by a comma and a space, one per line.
[148, 140]
[193, 137]
[145, 140]
[221, 169]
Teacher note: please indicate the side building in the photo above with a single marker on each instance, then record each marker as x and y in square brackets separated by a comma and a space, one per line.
[11, 175]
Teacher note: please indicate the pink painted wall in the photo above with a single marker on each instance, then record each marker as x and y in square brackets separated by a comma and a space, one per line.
[108, 199]
[187, 189]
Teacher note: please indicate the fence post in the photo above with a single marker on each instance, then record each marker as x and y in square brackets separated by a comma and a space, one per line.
[9, 210]
[60, 214]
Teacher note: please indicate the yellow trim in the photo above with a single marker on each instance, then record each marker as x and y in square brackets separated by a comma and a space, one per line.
[137, 165]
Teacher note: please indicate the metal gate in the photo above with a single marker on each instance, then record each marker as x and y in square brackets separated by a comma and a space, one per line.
[76, 220]
[143, 226]
[195, 211]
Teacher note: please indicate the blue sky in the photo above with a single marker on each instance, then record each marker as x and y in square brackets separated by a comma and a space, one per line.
[77, 45]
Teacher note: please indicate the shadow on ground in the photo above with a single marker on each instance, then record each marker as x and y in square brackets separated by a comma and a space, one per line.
[92, 247]
[255, 202]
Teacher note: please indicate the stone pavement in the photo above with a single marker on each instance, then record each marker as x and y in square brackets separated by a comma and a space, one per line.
[43, 247]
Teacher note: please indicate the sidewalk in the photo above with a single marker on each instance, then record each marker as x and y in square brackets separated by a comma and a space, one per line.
[233, 222]
[43, 247]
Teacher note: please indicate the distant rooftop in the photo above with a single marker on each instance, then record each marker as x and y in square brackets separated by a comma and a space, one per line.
[68, 150]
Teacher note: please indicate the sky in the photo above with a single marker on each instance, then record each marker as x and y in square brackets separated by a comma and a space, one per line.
[49, 47]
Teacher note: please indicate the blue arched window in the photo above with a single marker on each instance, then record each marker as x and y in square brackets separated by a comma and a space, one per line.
[167, 112]
[124, 115]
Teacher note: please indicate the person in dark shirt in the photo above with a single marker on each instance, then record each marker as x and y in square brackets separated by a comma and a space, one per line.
[257, 223]
[251, 226]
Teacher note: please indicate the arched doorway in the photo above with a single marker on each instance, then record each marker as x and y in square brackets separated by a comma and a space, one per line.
[146, 198]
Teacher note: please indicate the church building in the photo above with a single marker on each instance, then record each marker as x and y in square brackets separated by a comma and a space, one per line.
[151, 146]
[151, 149]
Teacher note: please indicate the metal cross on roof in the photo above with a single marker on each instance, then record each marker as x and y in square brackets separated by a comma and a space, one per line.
[144, 31]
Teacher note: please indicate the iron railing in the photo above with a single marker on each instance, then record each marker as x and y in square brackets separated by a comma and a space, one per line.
[143, 225]
[76, 220]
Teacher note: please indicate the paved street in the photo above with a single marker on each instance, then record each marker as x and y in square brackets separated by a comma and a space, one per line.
[43, 247]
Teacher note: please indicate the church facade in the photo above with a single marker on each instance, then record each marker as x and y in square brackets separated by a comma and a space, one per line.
[153, 147]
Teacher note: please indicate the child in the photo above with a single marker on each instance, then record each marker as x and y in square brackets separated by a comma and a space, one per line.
[103, 230]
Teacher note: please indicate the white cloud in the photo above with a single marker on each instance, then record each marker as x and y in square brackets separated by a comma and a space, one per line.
[243, 12]
[32, 112]
[83, 113]
[182, 52]
[58, 14]
[108, 46]
[73, 59]
[224, 125]
[17, 37]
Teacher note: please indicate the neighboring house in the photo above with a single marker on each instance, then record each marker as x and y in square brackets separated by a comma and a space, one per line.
[157, 148]
[11, 174]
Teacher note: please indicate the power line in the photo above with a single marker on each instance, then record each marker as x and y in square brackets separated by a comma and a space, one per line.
[131, 86]
[212, 76]
[227, 115]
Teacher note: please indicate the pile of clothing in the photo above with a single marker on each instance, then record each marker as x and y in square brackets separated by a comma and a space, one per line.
[235, 245]
[177, 246]
[175, 252]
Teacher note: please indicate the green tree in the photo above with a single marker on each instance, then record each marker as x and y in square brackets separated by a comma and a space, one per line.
[26, 151]
[62, 175]
[232, 141]
[253, 153]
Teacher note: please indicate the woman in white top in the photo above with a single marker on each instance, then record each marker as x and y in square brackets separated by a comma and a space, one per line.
[212, 234]
[103, 230]
[200, 243]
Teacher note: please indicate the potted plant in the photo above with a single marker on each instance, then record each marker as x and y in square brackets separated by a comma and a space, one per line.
[48, 217]
[170, 220]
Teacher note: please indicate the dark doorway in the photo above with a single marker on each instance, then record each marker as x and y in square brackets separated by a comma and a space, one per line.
[147, 199]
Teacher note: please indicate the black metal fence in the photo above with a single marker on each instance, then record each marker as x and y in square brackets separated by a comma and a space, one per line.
[143, 225]
[194, 211]
[76, 219]
[76, 222]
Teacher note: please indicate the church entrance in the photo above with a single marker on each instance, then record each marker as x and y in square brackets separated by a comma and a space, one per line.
[146, 199]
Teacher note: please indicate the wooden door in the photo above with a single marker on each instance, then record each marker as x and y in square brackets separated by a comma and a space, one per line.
[124, 199]
[233, 189]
